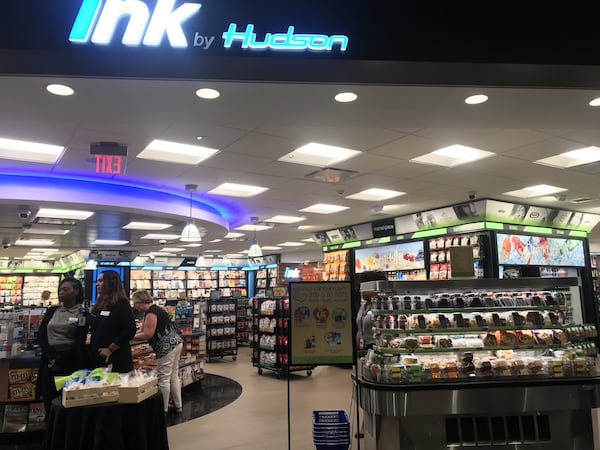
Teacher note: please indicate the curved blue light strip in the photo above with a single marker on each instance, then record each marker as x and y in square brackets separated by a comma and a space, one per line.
[230, 211]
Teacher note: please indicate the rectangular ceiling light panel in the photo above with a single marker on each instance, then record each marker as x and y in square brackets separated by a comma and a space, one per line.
[45, 230]
[72, 214]
[324, 208]
[109, 242]
[147, 226]
[319, 155]
[175, 152]
[375, 195]
[572, 158]
[452, 155]
[237, 190]
[535, 191]
[253, 227]
[285, 219]
[29, 151]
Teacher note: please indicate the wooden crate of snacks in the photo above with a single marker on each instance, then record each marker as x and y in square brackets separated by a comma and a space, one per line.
[137, 394]
[90, 396]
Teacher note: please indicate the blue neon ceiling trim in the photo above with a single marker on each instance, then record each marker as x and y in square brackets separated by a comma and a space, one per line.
[230, 211]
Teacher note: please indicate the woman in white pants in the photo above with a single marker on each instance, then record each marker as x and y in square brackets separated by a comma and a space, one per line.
[159, 331]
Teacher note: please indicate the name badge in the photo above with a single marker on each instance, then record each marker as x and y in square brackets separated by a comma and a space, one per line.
[105, 313]
[73, 320]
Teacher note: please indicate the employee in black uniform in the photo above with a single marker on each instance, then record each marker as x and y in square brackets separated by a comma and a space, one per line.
[61, 337]
[112, 325]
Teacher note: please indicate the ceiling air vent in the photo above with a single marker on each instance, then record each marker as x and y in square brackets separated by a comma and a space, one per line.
[331, 175]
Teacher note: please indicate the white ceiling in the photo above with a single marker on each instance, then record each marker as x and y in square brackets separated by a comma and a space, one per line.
[253, 124]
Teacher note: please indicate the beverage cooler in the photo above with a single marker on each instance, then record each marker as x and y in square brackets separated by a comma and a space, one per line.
[485, 336]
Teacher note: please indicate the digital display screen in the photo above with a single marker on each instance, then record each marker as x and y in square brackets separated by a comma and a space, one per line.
[405, 256]
[524, 250]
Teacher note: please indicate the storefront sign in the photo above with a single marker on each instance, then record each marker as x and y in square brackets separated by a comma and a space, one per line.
[321, 323]
[98, 21]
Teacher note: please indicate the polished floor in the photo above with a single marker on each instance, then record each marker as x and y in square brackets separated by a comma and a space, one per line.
[258, 419]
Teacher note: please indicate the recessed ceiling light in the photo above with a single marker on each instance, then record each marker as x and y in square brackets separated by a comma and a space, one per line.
[234, 255]
[309, 227]
[109, 242]
[319, 155]
[233, 235]
[34, 242]
[45, 250]
[29, 151]
[309, 240]
[161, 236]
[476, 99]
[45, 230]
[285, 219]
[60, 89]
[207, 93]
[324, 208]
[386, 209]
[345, 97]
[73, 214]
[254, 227]
[573, 158]
[173, 249]
[149, 226]
[192, 245]
[595, 102]
[535, 191]
[174, 152]
[270, 247]
[453, 155]
[215, 240]
[375, 194]
[199, 138]
[214, 251]
[291, 244]
[237, 190]
[162, 254]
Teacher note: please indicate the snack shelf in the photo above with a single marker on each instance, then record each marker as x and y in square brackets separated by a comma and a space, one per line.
[270, 337]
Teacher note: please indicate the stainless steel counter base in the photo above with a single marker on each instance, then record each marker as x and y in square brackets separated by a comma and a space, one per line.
[544, 415]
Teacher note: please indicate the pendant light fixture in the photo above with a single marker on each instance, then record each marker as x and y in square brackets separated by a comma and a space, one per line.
[200, 261]
[254, 251]
[190, 232]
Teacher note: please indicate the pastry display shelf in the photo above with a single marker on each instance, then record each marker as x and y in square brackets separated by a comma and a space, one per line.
[464, 330]
[406, 351]
[466, 310]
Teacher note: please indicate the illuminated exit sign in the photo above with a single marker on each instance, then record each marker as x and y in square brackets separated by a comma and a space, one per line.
[110, 157]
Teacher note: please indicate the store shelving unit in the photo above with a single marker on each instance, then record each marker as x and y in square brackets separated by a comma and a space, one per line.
[270, 319]
[221, 328]
[168, 284]
[243, 314]
[200, 283]
[233, 283]
[11, 289]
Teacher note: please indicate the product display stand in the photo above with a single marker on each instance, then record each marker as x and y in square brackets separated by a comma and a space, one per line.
[221, 328]
[270, 318]
[243, 314]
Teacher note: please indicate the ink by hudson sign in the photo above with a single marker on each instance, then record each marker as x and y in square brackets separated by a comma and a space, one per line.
[98, 20]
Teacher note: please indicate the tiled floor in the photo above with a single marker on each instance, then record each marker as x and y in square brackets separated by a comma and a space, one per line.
[258, 419]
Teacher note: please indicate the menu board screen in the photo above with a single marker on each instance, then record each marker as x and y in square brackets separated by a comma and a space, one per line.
[539, 251]
[405, 256]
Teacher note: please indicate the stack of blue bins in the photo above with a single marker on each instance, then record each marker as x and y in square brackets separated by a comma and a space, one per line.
[331, 430]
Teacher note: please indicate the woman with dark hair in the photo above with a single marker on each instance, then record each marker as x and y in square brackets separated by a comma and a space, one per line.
[61, 337]
[112, 325]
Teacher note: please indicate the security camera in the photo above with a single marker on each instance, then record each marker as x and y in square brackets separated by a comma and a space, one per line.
[162, 242]
[5, 244]
[472, 195]
[24, 214]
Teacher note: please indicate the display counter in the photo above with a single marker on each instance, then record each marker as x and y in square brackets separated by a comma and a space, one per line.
[485, 363]
[115, 426]
[544, 414]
